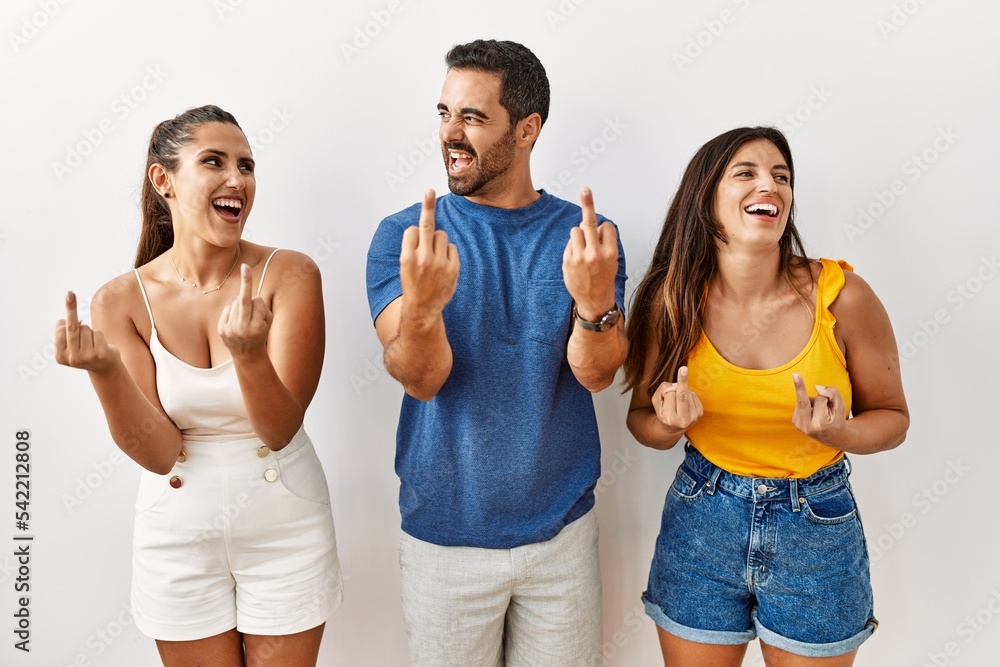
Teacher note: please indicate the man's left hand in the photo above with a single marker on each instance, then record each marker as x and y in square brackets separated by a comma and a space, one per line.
[590, 263]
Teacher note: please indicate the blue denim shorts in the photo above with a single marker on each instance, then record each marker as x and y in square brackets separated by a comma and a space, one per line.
[743, 557]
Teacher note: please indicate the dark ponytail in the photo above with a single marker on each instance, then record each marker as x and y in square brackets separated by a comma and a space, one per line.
[157, 235]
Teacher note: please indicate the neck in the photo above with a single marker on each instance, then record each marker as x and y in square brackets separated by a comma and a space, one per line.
[747, 276]
[203, 264]
[512, 190]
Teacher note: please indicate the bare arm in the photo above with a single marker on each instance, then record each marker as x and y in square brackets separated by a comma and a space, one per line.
[123, 374]
[595, 356]
[590, 265]
[660, 421]
[411, 328]
[881, 417]
[278, 351]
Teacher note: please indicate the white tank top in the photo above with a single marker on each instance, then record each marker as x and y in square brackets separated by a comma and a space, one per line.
[204, 403]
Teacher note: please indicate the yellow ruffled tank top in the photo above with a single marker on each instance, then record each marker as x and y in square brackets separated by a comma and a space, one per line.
[747, 425]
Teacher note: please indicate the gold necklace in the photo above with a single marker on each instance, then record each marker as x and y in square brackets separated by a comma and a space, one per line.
[191, 283]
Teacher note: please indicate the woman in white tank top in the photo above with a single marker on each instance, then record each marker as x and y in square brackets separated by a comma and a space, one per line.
[204, 380]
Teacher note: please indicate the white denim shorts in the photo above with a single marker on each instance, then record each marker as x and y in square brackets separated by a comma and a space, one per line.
[236, 535]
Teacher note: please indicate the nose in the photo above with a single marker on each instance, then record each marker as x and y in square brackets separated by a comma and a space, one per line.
[766, 183]
[236, 179]
[451, 130]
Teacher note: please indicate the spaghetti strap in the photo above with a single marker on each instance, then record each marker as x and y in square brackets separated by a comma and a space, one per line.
[144, 298]
[264, 272]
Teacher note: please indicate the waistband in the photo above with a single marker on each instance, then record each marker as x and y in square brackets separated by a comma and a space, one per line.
[224, 450]
[760, 489]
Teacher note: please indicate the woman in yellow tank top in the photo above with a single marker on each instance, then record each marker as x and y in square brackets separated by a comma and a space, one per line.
[773, 366]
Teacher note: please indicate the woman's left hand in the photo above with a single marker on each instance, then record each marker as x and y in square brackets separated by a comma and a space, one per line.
[245, 322]
[821, 418]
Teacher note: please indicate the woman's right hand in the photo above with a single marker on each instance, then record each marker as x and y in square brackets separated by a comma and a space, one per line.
[79, 346]
[675, 404]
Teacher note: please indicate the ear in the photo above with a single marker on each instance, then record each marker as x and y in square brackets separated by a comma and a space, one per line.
[528, 129]
[160, 178]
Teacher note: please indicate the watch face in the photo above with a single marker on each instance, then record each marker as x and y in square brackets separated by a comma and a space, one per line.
[607, 321]
[610, 319]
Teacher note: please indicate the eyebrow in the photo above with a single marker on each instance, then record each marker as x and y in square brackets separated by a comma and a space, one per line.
[754, 164]
[223, 154]
[465, 111]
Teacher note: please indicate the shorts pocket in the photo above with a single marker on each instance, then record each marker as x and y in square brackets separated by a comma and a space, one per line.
[301, 473]
[548, 312]
[831, 507]
[152, 488]
[687, 485]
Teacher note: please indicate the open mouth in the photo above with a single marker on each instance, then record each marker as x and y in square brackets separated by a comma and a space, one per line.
[459, 160]
[768, 210]
[228, 209]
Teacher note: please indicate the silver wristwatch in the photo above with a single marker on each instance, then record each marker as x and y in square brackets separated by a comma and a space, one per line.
[607, 321]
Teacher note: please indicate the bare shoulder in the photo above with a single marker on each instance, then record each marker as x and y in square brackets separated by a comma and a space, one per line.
[118, 309]
[288, 272]
[118, 297]
[858, 310]
[856, 297]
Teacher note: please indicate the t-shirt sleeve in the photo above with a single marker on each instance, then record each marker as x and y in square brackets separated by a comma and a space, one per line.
[383, 282]
[621, 277]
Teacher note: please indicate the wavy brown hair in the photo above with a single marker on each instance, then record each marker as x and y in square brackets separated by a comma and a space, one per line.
[157, 235]
[668, 306]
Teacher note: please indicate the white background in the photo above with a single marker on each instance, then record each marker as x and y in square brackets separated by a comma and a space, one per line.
[341, 123]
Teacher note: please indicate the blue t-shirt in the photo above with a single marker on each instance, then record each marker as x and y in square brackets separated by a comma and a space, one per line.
[507, 452]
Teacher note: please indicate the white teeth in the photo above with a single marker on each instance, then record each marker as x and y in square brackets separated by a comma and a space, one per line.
[232, 203]
[768, 208]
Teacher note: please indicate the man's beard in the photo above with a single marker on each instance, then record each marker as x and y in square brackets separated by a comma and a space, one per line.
[492, 166]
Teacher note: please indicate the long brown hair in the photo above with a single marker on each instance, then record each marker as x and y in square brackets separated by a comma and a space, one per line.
[157, 235]
[668, 306]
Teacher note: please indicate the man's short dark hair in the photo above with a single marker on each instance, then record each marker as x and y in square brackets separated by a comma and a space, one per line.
[524, 87]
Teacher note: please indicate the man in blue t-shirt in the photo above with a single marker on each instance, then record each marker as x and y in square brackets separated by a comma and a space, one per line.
[499, 308]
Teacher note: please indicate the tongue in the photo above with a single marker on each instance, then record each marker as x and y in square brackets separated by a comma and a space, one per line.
[226, 214]
[462, 162]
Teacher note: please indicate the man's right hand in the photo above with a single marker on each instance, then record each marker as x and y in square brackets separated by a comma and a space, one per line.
[428, 265]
